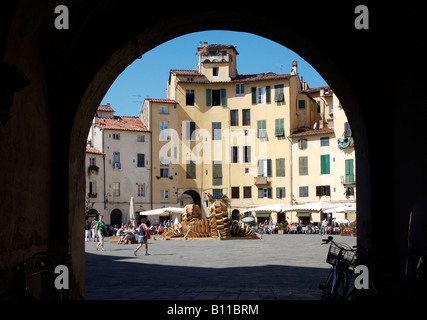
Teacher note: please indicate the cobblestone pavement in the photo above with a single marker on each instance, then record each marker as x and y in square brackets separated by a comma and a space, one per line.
[276, 267]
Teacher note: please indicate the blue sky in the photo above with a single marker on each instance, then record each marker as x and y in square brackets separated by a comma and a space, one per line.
[148, 76]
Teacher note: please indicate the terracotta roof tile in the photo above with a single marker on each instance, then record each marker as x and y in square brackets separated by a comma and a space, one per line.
[93, 150]
[259, 76]
[162, 100]
[105, 108]
[312, 132]
[121, 123]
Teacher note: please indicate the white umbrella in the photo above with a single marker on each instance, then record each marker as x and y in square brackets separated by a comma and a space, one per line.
[345, 209]
[162, 211]
[278, 207]
[132, 212]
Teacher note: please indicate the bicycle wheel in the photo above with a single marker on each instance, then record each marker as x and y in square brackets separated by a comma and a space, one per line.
[327, 288]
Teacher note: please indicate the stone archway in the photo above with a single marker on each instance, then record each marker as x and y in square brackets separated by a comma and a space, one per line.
[47, 122]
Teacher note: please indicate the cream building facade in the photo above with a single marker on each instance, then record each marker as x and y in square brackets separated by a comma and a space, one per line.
[120, 147]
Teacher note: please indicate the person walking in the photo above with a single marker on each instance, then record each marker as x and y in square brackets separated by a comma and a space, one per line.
[93, 229]
[100, 229]
[87, 231]
[142, 237]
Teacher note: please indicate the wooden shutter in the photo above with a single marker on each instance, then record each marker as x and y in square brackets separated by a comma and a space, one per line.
[254, 97]
[268, 167]
[267, 94]
[324, 164]
[209, 97]
[223, 97]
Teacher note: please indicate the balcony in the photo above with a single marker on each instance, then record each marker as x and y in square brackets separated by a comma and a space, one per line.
[348, 179]
[260, 181]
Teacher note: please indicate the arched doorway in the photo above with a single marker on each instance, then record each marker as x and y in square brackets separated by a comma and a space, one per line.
[235, 214]
[193, 195]
[116, 217]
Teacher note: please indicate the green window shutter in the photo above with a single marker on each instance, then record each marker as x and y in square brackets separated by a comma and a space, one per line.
[279, 93]
[349, 171]
[260, 193]
[268, 94]
[262, 129]
[209, 97]
[280, 167]
[318, 191]
[347, 130]
[269, 193]
[324, 164]
[217, 173]
[280, 130]
[268, 167]
[303, 166]
[223, 97]
[253, 92]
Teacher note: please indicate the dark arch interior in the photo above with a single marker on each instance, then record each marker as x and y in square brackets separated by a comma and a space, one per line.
[53, 81]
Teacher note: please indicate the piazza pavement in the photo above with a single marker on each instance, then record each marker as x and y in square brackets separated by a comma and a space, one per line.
[276, 267]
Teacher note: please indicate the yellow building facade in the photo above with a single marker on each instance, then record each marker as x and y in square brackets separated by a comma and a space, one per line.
[224, 135]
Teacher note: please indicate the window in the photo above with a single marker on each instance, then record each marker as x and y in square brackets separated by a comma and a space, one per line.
[116, 136]
[246, 154]
[234, 154]
[301, 104]
[191, 170]
[246, 117]
[234, 117]
[116, 189]
[261, 95]
[116, 160]
[140, 138]
[303, 192]
[247, 192]
[217, 173]
[92, 188]
[279, 93]
[165, 161]
[164, 110]
[217, 193]
[190, 129]
[262, 129]
[324, 142]
[141, 189]
[323, 191]
[216, 130]
[264, 193]
[349, 171]
[303, 166]
[140, 160]
[92, 161]
[347, 130]
[164, 194]
[189, 97]
[302, 144]
[280, 193]
[280, 167]
[235, 192]
[280, 128]
[240, 90]
[215, 71]
[216, 97]
[264, 168]
[164, 172]
[164, 131]
[325, 164]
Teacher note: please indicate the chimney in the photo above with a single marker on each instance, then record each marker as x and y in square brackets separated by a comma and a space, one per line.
[294, 70]
[205, 44]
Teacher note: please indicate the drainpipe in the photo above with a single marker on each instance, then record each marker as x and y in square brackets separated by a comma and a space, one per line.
[103, 160]
[291, 165]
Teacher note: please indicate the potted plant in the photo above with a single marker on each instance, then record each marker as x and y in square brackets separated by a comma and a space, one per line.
[281, 228]
[92, 169]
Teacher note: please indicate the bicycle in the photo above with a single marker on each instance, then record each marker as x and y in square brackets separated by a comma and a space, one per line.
[338, 284]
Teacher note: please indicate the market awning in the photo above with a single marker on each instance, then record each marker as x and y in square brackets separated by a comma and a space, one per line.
[278, 207]
[303, 214]
[262, 215]
[314, 206]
